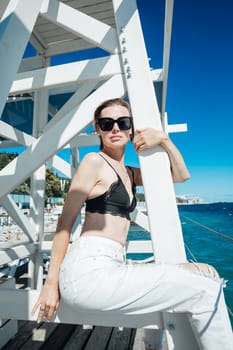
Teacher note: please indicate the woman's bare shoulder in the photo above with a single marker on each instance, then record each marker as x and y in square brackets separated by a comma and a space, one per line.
[88, 170]
[92, 157]
[92, 160]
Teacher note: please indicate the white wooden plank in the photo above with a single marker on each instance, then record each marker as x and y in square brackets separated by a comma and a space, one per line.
[20, 21]
[31, 63]
[157, 75]
[100, 68]
[59, 35]
[140, 219]
[81, 24]
[72, 124]
[84, 140]
[8, 144]
[38, 181]
[67, 46]
[166, 51]
[82, 4]
[177, 128]
[16, 252]
[93, 8]
[17, 304]
[38, 43]
[13, 134]
[60, 164]
[141, 246]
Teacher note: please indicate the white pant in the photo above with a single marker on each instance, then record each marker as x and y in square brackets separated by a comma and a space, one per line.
[95, 276]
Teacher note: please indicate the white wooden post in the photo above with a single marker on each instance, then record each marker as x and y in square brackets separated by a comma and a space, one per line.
[159, 192]
[165, 227]
[75, 160]
[40, 118]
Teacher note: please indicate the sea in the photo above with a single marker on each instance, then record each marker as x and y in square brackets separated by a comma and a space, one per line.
[208, 237]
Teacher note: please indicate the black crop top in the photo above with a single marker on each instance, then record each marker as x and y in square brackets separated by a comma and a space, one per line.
[115, 200]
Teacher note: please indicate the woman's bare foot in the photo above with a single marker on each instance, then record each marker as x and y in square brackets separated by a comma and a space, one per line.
[201, 268]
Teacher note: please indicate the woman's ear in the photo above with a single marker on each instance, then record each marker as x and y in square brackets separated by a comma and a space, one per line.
[96, 127]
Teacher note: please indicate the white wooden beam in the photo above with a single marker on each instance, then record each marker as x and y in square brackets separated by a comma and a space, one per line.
[18, 252]
[3, 8]
[140, 219]
[166, 51]
[157, 75]
[8, 144]
[17, 304]
[20, 20]
[80, 24]
[165, 227]
[38, 43]
[85, 140]
[13, 134]
[157, 181]
[31, 63]
[81, 141]
[140, 246]
[18, 216]
[135, 247]
[70, 73]
[64, 167]
[172, 127]
[53, 140]
[74, 101]
[67, 46]
[38, 182]
[176, 128]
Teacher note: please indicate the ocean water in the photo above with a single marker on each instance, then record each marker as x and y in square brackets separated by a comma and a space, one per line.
[206, 245]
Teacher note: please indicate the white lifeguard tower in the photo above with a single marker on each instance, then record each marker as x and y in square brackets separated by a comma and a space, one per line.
[62, 99]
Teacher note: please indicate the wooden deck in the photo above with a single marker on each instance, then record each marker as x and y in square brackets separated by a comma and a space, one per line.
[33, 336]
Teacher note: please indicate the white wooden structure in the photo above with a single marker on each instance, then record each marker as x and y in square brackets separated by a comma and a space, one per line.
[56, 27]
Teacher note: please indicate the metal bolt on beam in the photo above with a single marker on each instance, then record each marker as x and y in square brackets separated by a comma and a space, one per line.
[171, 326]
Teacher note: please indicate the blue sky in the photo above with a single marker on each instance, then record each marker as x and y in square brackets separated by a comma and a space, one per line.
[199, 88]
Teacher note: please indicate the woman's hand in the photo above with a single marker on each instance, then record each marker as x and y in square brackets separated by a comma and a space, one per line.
[148, 138]
[47, 302]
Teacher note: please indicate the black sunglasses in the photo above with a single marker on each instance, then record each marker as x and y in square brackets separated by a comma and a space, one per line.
[124, 123]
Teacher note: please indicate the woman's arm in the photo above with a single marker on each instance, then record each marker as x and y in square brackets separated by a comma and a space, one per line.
[82, 183]
[149, 138]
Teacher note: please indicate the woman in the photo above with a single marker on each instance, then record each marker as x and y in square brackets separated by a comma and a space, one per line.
[93, 274]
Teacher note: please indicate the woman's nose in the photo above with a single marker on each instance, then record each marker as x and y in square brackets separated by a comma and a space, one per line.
[115, 127]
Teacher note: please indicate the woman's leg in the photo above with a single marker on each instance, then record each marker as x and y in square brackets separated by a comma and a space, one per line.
[210, 327]
[95, 277]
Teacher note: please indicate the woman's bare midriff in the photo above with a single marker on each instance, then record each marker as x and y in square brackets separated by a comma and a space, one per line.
[106, 225]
